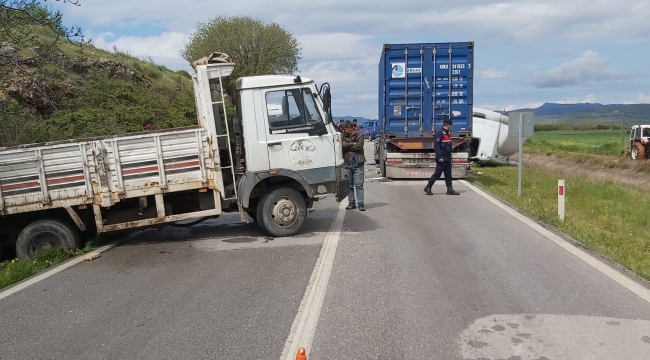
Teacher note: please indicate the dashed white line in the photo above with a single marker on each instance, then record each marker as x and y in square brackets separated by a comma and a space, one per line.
[306, 320]
[605, 269]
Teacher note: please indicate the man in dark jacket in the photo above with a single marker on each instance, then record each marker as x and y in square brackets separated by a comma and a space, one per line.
[354, 161]
[442, 149]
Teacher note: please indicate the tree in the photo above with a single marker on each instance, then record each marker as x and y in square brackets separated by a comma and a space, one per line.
[21, 43]
[28, 33]
[257, 48]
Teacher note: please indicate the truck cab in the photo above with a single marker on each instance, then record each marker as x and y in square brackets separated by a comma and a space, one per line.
[286, 152]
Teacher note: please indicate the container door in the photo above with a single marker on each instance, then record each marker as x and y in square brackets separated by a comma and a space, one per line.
[407, 90]
[453, 79]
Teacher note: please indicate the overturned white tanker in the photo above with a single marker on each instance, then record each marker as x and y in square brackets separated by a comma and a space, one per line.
[490, 128]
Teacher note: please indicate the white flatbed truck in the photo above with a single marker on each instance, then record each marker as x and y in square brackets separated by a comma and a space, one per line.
[284, 153]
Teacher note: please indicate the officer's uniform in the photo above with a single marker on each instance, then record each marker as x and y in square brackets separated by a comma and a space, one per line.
[442, 149]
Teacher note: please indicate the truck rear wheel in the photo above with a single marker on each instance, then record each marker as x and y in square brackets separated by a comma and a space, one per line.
[43, 235]
[281, 212]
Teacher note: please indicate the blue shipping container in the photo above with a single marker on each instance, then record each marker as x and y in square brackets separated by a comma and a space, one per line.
[422, 84]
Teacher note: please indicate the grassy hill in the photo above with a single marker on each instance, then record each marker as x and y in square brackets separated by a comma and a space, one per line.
[76, 91]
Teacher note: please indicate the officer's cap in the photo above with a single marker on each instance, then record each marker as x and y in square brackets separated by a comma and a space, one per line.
[447, 121]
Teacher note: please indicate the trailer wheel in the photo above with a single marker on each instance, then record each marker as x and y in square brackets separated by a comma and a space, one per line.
[43, 235]
[281, 212]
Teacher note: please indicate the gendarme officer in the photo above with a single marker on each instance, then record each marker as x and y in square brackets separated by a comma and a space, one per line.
[442, 149]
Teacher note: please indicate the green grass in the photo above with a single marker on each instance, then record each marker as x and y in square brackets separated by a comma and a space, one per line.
[16, 270]
[600, 142]
[610, 219]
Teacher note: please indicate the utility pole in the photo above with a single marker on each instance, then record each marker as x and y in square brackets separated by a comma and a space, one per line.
[623, 129]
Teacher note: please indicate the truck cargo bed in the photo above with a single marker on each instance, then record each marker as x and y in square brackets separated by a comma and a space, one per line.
[104, 170]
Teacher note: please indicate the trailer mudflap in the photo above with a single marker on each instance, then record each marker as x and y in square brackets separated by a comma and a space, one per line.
[342, 189]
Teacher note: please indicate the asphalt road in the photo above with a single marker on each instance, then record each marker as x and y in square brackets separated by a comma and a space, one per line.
[413, 277]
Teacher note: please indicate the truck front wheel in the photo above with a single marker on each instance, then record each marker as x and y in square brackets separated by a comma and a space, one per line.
[281, 212]
[43, 235]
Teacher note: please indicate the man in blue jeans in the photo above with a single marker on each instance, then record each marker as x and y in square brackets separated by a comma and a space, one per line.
[354, 162]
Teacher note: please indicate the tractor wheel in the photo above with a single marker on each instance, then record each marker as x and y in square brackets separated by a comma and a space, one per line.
[640, 151]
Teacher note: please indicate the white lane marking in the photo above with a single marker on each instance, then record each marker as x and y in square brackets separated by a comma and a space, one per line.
[55, 270]
[304, 324]
[605, 269]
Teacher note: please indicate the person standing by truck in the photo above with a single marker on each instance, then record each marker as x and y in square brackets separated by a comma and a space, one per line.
[354, 161]
[442, 148]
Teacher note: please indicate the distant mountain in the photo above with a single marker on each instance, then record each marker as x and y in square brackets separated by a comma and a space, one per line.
[588, 112]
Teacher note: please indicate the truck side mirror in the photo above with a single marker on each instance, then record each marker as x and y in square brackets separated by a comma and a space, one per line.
[326, 96]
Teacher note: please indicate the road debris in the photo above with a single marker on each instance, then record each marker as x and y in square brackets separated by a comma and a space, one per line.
[91, 257]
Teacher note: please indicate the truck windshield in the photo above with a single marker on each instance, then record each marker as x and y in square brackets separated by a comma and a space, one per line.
[293, 107]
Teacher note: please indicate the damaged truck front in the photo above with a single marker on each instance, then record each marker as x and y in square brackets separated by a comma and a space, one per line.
[283, 154]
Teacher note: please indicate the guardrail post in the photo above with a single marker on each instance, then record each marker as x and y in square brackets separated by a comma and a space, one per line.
[560, 198]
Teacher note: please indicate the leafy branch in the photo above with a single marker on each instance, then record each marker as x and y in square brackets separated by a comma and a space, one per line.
[28, 33]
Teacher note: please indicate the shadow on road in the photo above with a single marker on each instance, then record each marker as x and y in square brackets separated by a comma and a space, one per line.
[225, 228]
[356, 221]
[375, 205]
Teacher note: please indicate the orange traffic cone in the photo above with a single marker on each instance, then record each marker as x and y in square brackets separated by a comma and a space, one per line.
[302, 354]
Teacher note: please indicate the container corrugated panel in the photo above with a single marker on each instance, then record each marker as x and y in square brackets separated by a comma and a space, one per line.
[422, 84]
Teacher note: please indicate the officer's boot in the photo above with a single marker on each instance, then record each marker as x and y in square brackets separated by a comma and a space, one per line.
[427, 190]
[451, 191]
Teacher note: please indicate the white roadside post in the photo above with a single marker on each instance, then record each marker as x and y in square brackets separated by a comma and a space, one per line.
[560, 199]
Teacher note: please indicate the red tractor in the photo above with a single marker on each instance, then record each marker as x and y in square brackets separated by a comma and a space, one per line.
[639, 147]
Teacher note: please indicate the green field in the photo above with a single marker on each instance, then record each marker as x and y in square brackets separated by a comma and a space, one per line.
[605, 217]
[600, 142]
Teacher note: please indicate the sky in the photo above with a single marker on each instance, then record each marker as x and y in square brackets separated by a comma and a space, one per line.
[526, 52]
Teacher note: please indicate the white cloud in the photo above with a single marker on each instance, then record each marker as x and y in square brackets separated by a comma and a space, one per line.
[588, 68]
[522, 20]
[492, 73]
[640, 99]
[591, 98]
[337, 46]
[336, 72]
[163, 49]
